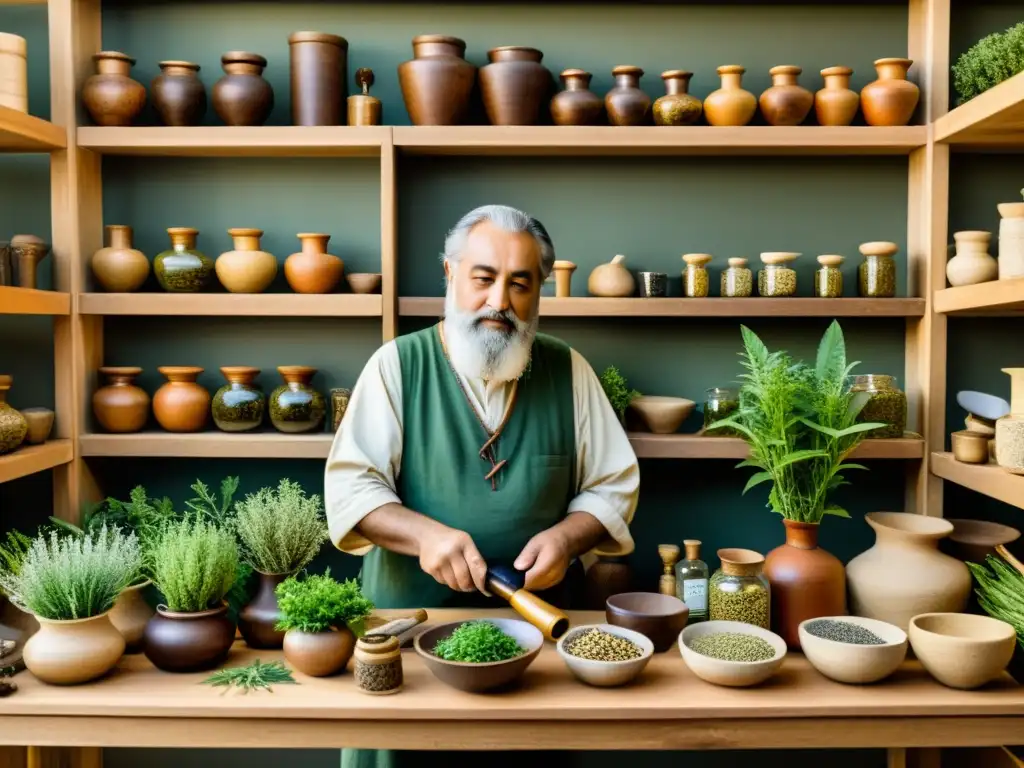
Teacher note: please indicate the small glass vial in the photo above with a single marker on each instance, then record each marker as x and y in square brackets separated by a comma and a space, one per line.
[887, 404]
[877, 274]
[720, 403]
[692, 582]
[828, 280]
[739, 590]
[737, 280]
[378, 665]
[777, 279]
[695, 276]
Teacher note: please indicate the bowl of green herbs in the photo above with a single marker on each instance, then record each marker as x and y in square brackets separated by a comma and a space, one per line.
[479, 655]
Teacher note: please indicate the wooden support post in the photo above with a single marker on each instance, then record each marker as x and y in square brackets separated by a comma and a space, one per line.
[65, 757]
[389, 239]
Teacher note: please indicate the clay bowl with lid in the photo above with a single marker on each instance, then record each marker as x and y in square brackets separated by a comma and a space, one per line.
[972, 540]
[962, 650]
[659, 617]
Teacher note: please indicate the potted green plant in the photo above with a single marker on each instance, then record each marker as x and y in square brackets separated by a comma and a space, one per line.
[320, 618]
[618, 392]
[279, 532]
[69, 584]
[193, 564]
[800, 422]
[990, 61]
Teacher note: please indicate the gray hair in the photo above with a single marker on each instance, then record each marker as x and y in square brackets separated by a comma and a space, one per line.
[508, 219]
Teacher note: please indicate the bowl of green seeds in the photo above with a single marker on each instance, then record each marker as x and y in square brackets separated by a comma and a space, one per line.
[731, 653]
[851, 649]
[605, 655]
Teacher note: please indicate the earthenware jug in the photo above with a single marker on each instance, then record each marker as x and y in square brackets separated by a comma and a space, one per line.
[677, 106]
[246, 269]
[786, 102]
[13, 426]
[438, 81]
[972, 263]
[836, 104]
[188, 642]
[239, 405]
[26, 253]
[1011, 240]
[242, 96]
[730, 104]
[110, 96]
[295, 406]
[179, 96]
[625, 102]
[130, 615]
[118, 267]
[515, 85]
[612, 279]
[319, 77]
[319, 654]
[313, 270]
[120, 406]
[181, 405]
[74, 651]
[891, 99]
[183, 268]
[577, 104]
[257, 619]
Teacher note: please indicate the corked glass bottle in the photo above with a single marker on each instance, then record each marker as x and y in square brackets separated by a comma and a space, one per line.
[378, 665]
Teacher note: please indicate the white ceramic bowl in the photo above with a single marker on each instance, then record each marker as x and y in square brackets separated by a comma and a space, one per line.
[962, 650]
[850, 662]
[606, 673]
[737, 674]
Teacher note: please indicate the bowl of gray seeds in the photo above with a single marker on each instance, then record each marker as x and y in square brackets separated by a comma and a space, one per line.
[731, 653]
[605, 655]
[851, 649]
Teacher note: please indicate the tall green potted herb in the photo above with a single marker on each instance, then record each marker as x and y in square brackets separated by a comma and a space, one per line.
[800, 422]
[618, 392]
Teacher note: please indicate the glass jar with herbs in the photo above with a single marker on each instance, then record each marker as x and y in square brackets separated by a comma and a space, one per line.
[238, 406]
[737, 280]
[739, 590]
[720, 403]
[887, 404]
[777, 279]
[828, 280]
[183, 268]
[695, 276]
[877, 273]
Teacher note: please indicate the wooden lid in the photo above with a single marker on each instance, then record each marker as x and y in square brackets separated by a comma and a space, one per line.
[13, 44]
[317, 37]
[6, 380]
[628, 69]
[296, 370]
[245, 232]
[576, 73]
[27, 240]
[778, 257]
[673, 74]
[830, 260]
[737, 261]
[741, 562]
[731, 69]
[879, 248]
[829, 71]
[697, 259]
[692, 548]
[182, 231]
[785, 69]
[563, 265]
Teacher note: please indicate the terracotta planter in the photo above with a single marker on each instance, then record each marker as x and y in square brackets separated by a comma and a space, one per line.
[130, 615]
[677, 106]
[179, 96]
[807, 582]
[257, 619]
[118, 267]
[319, 654]
[438, 81]
[515, 85]
[904, 573]
[296, 406]
[319, 77]
[246, 269]
[188, 642]
[13, 426]
[239, 405]
[577, 104]
[625, 102]
[120, 406]
[313, 270]
[786, 102]
[26, 253]
[181, 405]
[184, 268]
[242, 96]
[891, 99]
[730, 104]
[972, 263]
[110, 96]
[836, 104]
[73, 652]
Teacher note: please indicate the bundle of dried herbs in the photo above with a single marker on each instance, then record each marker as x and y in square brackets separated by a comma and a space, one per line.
[252, 677]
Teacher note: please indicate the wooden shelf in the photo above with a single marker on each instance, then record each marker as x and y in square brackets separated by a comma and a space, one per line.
[997, 297]
[586, 306]
[30, 459]
[27, 301]
[24, 133]
[658, 140]
[989, 479]
[995, 119]
[649, 446]
[232, 304]
[232, 141]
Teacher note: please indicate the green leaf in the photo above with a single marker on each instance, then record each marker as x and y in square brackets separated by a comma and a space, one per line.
[836, 510]
[760, 477]
[798, 456]
[844, 467]
[831, 362]
[749, 463]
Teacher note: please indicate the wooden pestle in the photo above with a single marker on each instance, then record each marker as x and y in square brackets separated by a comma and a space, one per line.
[507, 583]
[396, 627]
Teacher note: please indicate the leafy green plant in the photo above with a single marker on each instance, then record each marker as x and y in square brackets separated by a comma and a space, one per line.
[317, 603]
[478, 642]
[988, 62]
[801, 425]
[1001, 592]
[74, 577]
[615, 387]
[251, 677]
[12, 554]
[194, 563]
[280, 531]
[206, 504]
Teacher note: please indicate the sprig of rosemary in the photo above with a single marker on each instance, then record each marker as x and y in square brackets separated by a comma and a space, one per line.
[252, 677]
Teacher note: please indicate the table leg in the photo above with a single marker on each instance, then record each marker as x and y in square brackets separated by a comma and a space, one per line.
[65, 757]
[13, 757]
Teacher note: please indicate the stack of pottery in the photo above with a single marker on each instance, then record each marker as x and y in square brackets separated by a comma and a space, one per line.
[677, 106]
[183, 268]
[118, 267]
[242, 96]
[786, 102]
[110, 96]
[972, 263]
[891, 99]
[13, 425]
[179, 96]
[515, 85]
[577, 104]
[246, 269]
[182, 404]
[13, 72]
[438, 81]
[626, 103]
[1011, 240]
[313, 270]
[120, 406]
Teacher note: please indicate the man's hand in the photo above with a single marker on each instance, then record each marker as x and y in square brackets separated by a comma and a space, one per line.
[545, 558]
[451, 557]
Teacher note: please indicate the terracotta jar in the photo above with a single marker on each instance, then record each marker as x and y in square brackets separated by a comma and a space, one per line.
[786, 102]
[181, 405]
[118, 267]
[257, 619]
[677, 106]
[1011, 240]
[75, 651]
[13, 426]
[120, 406]
[183, 268]
[807, 582]
[26, 253]
[319, 77]
[891, 99]
[296, 406]
[438, 81]
[110, 96]
[313, 270]
[130, 615]
[730, 104]
[242, 96]
[179, 96]
[577, 104]
[972, 263]
[904, 573]
[246, 269]
[239, 405]
[606, 577]
[515, 85]
[319, 654]
[836, 104]
[625, 102]
[612, 279]
[188, 642]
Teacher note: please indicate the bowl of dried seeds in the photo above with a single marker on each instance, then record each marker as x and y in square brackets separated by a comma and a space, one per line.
[605, 655]
[731, 653]
[851, 649]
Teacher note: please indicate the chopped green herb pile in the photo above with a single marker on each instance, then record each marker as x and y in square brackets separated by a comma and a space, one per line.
[256, 675]
[478, 642]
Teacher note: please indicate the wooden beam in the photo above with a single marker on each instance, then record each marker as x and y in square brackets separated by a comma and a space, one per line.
[389, 240]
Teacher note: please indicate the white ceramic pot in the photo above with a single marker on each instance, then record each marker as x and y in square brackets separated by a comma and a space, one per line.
[1011, 240]
[72, 652]
[972, 263]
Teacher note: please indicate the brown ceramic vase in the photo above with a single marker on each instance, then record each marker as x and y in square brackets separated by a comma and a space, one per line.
[181, 405]
[319, 78]
[120, 406]
[577, 104]
[730, 105]
[313, 270]
[188, 642]
[806, 581]
[836, 103]
[625, 102]
[242, 96]
[515, 85]
[246, 268]
[26, 253]
[13, 426]
[118, 267]
[319, 654]
[179, 96]
[438, 81]
[891, 99]
[677, 106]
[786, 102]
[257, 619]
[110, 96]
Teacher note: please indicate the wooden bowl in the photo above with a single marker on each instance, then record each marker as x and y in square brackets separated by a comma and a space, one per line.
[659, 617]
[662, 415]
[476, 678]
[962, 650]
[850, 662]
[734, 674]
[972, 540]
[605, 674]
[364, 282]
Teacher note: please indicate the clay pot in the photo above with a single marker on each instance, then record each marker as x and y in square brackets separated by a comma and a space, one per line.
[677, 106]
[179, 96]
[26, 253]
[514, 85]
[891, 99]
[181, 405]
[610, 575]
[242, 96]
[972, 263]
[13, 426]
[730, 104]
[130, 615]
[257, 619]
[785, 102]
[73, 652]
[120, 406]
[973, 540]
[904, 573]
[364, 282]
[296, 406]
[110, 96]
[188, 642]
[319, 654]
[239, 405]
[563, 278]
[40, 424]
[319, 77]
[246, 269]
[577, 104]
[437, 82]
[118, 267]
[625, 102]
[184, 268]
[313, 270]
[806, 581]
[836, 104]
[612, 279]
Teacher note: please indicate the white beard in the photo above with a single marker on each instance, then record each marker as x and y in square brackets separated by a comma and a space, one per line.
[480, 352]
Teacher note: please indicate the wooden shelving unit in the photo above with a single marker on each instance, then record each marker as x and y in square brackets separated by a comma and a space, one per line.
[30, 459]
[993, 120]
[998, 297]
[24, 133]
[28, 301]
[232, 304]
[989, 479]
